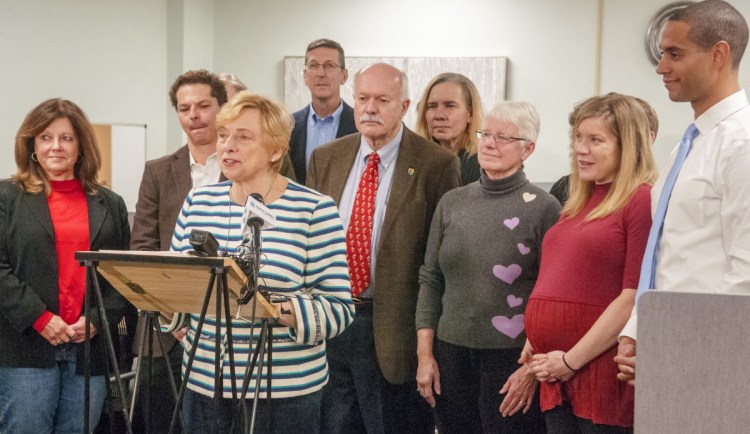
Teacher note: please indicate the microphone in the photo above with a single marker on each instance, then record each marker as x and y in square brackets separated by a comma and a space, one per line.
[257, 213]
[255, 217]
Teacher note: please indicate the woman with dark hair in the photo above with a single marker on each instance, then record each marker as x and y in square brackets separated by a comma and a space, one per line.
[52, 207]
[450, 113]
[591, 262]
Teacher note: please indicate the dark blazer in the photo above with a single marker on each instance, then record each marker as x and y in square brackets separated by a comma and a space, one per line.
[424, 171]
[28, 273]
[298, 141]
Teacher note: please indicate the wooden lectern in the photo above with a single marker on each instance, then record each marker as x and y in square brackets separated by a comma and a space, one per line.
[170, 282]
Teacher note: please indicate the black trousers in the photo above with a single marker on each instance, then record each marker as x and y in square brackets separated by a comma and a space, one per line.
[469, 401]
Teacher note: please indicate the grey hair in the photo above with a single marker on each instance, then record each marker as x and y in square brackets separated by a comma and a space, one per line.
[522, 114]
[232, 80]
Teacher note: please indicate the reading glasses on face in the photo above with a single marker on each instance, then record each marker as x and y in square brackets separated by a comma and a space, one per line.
[498, 138]
[328, 66]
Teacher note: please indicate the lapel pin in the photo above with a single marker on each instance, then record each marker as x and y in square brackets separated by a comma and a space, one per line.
[411, 171]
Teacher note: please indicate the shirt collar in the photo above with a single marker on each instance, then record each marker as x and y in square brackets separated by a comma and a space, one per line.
[721, 110]
[313, 117]
[387, 153]
[193, 162]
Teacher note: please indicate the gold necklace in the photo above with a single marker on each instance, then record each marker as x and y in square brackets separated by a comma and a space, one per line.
[265, 197]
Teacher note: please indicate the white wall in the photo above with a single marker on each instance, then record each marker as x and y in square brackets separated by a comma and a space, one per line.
[550, 45]
[117, 59]
[106, 56]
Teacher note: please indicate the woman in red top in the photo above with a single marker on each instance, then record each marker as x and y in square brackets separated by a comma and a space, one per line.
[51, 208]
[589, 270]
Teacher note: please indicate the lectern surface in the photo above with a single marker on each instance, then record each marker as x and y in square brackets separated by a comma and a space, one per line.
[168, 282]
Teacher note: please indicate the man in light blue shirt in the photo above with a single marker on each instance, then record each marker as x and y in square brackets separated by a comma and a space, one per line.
[327, 117]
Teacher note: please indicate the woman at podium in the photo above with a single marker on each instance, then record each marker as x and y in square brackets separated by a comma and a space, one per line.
[303, 264]
[591, 261]
[52, 207]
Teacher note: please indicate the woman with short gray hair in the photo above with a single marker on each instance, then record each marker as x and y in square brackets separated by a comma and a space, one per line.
[481, 264]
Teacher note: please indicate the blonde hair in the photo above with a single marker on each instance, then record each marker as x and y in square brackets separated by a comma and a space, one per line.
[276, 122]
[30, 175]
[626, 119]
[473, 102]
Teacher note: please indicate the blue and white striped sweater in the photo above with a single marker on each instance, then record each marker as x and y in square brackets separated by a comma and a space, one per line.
[303, 258]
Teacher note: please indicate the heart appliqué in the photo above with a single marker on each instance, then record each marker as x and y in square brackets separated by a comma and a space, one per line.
[511, 223]
[528, 197]
[511, 327]
[523, 249]
[507, 274]
[514, 301]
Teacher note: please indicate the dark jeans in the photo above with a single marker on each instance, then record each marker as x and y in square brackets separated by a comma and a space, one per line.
[562, 420]
[358, 399]
[206, 415]
[469, 401]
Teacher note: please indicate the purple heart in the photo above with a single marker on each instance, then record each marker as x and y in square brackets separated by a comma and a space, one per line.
[511, 327]
[514, 301]
[507, 274]
[511, 223]
[523, 249]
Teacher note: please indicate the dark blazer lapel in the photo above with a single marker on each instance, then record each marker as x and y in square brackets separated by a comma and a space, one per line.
[405, 175]
[347, 118]
[97, 214]
[37, 204]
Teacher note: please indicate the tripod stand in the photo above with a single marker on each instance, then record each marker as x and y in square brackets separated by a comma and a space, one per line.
[173, 282]
[149, 321]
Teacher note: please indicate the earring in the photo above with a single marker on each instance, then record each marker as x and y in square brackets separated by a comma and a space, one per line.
[33, 157]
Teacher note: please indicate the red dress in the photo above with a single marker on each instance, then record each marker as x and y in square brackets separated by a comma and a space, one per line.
[584, 267]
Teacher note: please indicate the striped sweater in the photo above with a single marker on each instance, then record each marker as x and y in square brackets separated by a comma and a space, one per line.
[303, 258]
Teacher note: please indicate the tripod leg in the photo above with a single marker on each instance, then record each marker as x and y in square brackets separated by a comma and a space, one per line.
[218, 374]
[227, 314]
[268, 378]
[264, 329]
[110, 349]
[142, 322]
[155, 324]
[193, 350]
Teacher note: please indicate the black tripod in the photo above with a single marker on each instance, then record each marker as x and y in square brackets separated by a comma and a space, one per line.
[222, 295]
[149, 321]
[264, 344]
[91, 270]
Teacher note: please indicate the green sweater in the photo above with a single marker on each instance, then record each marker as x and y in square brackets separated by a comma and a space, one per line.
[482, 261]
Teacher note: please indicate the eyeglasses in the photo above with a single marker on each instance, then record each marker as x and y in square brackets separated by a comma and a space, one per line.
[501, 139]
[328, 66]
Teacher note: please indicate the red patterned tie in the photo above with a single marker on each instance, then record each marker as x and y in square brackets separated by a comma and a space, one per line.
[359, 234]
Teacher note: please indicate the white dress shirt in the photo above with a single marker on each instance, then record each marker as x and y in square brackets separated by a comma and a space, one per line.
[205, 174]
[705, 243]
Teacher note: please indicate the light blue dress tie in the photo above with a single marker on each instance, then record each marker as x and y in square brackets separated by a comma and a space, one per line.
[648, 267]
